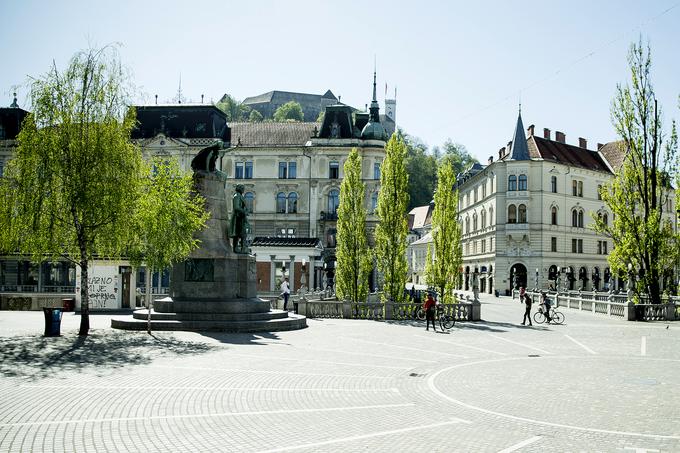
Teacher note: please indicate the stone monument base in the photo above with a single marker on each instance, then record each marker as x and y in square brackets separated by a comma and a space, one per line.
[219, 318]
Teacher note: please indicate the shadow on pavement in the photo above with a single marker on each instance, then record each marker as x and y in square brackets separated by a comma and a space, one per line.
[36, 357]
[245, 338]
[488, 326]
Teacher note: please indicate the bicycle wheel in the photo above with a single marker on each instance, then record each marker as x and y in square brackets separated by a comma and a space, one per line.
[447, 322]
[420, 314]
[557, 317]
[539, 318]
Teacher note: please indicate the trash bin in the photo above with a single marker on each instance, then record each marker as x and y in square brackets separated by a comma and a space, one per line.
[68, 304]
[52, 321]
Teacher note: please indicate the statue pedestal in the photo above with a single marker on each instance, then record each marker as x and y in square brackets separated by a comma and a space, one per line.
[214, 289]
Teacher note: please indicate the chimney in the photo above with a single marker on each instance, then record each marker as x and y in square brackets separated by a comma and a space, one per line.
[599, 145]
[582, 143]
[530, 130]
[490, 161]
[560, 137]
[546, 133]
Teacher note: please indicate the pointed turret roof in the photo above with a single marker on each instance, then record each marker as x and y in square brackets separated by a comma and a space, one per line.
[373, 129]
[519, 149]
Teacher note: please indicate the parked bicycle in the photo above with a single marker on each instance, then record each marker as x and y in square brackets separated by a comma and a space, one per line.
[446, 321]
[555, 316]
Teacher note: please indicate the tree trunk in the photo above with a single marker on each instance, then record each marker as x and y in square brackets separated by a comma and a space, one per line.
[84, 299]
[149, 280]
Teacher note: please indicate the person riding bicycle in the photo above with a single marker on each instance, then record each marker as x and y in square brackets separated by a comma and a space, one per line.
[546, 306]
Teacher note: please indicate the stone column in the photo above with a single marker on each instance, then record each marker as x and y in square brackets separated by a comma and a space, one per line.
[291, 272]
[310, 273]
[272, 273]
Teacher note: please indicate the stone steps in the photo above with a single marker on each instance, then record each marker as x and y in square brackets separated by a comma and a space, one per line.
[290, 322]
[156, 316]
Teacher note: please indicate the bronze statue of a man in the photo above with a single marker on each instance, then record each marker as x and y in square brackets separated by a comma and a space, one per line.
[239, 221]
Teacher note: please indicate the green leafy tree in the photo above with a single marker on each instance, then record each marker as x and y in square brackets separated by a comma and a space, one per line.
[235, 110]
[638, 195]
[444, 255]
[456, 154]
[290, 111]
[76, 175]
[255, 116]
[390, 234]
[421, 168]
[353, 263]
[167, 215]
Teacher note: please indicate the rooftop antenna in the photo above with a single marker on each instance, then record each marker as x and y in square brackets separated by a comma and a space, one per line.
[201, 99]
[179, 90]
[156, 99]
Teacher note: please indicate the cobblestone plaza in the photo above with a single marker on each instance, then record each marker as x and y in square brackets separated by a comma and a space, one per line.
[592, 384]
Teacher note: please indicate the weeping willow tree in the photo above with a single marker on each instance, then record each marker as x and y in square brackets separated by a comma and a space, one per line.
[444, 254]
[390, 234]
[640, 194]
[353, 257]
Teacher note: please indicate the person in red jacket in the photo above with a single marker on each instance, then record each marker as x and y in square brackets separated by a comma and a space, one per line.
[429, 311]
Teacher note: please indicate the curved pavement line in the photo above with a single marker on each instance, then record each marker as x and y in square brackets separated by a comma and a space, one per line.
[434, 389]
[206, 415]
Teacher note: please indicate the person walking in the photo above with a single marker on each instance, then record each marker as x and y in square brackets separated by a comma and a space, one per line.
[285, 292]
[429, 311]
[526, 299]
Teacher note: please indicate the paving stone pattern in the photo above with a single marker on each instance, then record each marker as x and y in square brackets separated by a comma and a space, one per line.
[343, 385]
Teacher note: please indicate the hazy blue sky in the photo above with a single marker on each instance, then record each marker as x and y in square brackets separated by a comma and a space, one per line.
[459, 67]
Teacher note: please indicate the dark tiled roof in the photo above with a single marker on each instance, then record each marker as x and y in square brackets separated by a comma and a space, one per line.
[614, 153]
[566, 154]
[270, 241]
[272, 134]
[265, 97]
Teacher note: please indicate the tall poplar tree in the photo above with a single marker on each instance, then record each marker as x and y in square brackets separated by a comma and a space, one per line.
[639, 194]
[390, 234]
[444, 255]
[353, 257]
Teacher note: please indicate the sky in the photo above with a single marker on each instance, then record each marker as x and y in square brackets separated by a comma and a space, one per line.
[460, 69]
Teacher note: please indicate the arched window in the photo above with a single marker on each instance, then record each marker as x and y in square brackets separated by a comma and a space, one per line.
[522, 182]
[522, 214]
[574, 218]
[512, 182]
[553, 215]
[281, 203]
[580, 219]
[374, 202]
[605, 219]
[483, 219]
[512, 214]
[553, 184]
[491, 222]
[474, 222]
[249, 198]
[292, 202]
[467, 225]
[333, 202]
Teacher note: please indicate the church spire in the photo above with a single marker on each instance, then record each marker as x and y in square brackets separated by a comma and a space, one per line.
[519, 149]
[375, 108]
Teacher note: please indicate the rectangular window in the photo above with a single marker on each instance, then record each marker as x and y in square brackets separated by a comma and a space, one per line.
[475, 194]
[604, 247]
[484, 190]
[292, 170]
[553, 244]
[491, 244]
[334, 170]
[283, 170]
[238, 170]
[580, 189]
[573, 246]
[376, 170]
[553, 184]
[249, 171]
[599, 191]
[599, 247]
[483, 246]
[580, 245]
[574, 188]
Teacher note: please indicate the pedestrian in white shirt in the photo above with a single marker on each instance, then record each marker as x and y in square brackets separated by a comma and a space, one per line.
[285, 292]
